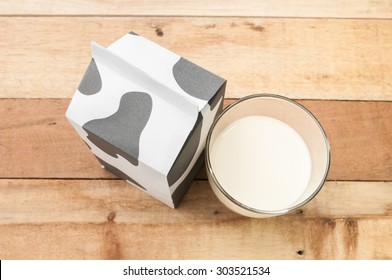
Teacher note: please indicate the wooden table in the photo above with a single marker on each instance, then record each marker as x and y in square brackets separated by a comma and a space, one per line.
[335, 57]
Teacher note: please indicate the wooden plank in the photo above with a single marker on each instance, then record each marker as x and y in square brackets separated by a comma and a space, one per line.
[36, 141]
[95, 219]
[238, 239]
[299, 58]
[349, 128]
[41, 201]
[269, 8]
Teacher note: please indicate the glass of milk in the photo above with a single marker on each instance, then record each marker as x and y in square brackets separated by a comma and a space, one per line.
[266, 155]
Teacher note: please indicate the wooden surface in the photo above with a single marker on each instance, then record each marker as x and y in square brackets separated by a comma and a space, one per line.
[269, 8]
[334, 57]
[300, 58]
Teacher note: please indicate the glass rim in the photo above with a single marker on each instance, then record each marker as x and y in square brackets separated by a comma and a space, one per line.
[246, 207]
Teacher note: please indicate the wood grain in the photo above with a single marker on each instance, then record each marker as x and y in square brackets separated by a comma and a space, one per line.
[270, 8]
[299, 58]
[57, 203]
[41, 201]
[109, 219]
[238, 239]
[36, 141]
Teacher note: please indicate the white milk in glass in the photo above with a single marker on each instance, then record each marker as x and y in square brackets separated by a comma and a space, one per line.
[261, 162]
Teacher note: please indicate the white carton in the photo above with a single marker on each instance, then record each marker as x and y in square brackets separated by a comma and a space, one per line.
[145, 112]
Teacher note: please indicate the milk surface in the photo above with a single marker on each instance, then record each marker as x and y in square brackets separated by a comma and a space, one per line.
[261, 162]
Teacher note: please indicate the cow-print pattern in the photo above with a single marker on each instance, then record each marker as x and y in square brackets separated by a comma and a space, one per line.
[119, 133]
[215, 99]
[195, 80]
[179, 193]
[114, 134]
[119, 173]
[185, 156]
[91, 82]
